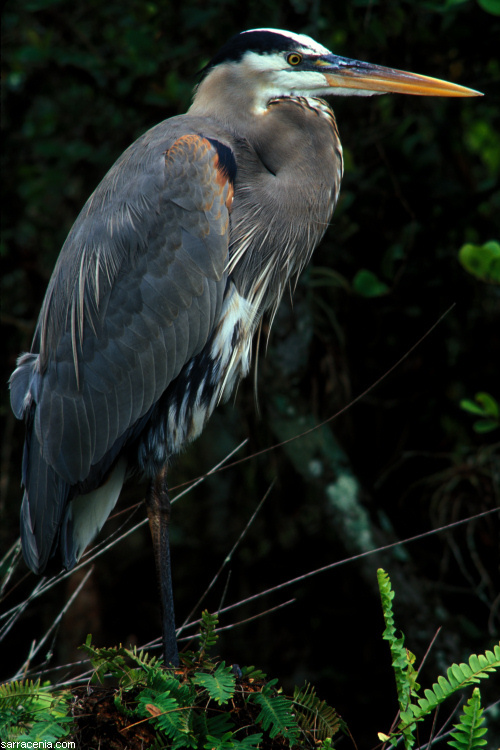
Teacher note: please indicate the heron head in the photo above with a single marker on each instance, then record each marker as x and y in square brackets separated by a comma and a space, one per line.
[271, 63]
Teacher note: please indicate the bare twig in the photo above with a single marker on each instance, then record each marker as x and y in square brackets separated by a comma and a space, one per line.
[35, 648]
[346, 560]
[227, 560]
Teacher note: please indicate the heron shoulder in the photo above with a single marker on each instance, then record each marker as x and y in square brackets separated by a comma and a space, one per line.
[135, 294]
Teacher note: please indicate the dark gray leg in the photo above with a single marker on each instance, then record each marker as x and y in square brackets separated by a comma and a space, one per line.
[158, 507]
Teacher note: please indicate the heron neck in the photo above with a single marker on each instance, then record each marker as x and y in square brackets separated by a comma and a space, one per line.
[232, 98]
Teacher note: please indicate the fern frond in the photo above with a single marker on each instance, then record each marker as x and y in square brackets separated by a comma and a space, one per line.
[469, 733]
[219, 685]
[276, 714]
[249, 743]
[402, 658]
[30, 711]
[131, 667]
[164, 682]
[11, 693]
[50, 731]
[315, 715]
[225, 742]
[144, 659]
[105, 661]
[228, 742]
[167, 715]
[402, 661]
[458, 676]
[208, 637]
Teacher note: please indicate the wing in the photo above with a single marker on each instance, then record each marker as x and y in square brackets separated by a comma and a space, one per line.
[134, 295]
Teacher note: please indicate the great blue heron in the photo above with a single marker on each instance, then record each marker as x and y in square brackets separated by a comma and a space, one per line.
[148, 319]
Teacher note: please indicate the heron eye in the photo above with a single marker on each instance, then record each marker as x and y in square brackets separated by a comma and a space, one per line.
[294, 58]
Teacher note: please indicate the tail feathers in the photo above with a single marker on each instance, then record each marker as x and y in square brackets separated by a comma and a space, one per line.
[57, 523]
[86, 514]
[53, 523]
[45, 498]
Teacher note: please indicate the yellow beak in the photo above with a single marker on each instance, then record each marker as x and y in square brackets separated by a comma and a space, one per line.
[364, 78]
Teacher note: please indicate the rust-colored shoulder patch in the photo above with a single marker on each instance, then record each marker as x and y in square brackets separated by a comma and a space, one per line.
[222, 159]
[193, 143]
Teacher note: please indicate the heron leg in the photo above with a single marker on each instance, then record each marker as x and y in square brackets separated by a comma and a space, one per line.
[158, 508]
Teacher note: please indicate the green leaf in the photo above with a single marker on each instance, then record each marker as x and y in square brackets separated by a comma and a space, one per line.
[315, 715]
[402, 659]
[467, 405]
[208, 636]
[276, 715]
[469, 732]
[490, 6]
[484, 405]
[49, 731]
[220, 685]
[482, 261]
[163, 710]
[225, 742]
[490, 406]
[460, 675]
[249, 743]
[367, 284]
[485, 425]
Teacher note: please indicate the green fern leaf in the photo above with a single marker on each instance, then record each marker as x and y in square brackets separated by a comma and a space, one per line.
[105, 661]
[402, 659]
[220, 685]
[162, 710]
[249, 743]
[208, 636]
[165, 713]
[480, 666]
[313, 715]
[51, 730]
[163, 682]
[469, 733]
[144, 659]
[116, 661]
[228, 742]
[276, 714]
[31, 711]
[402, 662]
[225, 742]
[23, 691]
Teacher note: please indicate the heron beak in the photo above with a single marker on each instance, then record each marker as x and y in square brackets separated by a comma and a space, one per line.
[364, 79]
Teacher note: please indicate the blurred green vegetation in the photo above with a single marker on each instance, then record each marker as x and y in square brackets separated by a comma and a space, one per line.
[80, 81]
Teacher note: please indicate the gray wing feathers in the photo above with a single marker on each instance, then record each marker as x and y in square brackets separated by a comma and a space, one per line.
[40, 520]
[134, 295]
[127, 356]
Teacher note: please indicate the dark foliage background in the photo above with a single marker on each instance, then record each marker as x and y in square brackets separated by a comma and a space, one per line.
[80, 81]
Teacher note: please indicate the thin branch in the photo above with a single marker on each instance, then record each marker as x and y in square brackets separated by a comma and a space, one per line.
[45, 584]
[233, 625]
[35, 649]
[227, 560]
[346, 560]
[17, 611]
